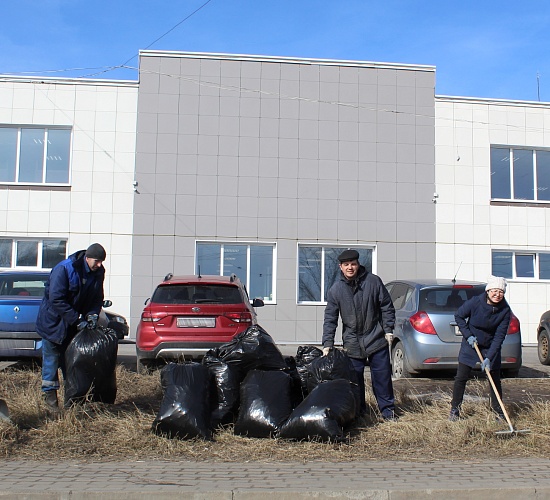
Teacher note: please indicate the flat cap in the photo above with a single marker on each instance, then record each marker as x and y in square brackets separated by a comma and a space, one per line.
[348, 254]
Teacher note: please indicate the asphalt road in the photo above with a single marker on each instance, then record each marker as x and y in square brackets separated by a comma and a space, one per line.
[532, 368]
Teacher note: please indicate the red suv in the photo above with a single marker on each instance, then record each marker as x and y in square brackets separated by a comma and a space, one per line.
[188, 315]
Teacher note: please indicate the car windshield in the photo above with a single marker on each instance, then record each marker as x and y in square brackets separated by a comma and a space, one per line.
[447, 299]
[197, 294]
[23, 285]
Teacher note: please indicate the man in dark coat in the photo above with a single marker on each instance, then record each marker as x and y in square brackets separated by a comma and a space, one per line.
[73, 298]
[482, 320]
[368, 318]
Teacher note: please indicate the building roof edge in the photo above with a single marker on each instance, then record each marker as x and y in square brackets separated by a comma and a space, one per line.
[491, 100]
[67, 81]
[291, 60]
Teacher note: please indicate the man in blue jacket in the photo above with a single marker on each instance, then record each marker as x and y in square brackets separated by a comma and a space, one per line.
[73, 298]
[368, 318]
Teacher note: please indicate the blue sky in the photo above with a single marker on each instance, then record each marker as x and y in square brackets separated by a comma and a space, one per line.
[480, 48]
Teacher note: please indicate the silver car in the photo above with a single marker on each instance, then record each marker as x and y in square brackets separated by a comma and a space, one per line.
[426, 336]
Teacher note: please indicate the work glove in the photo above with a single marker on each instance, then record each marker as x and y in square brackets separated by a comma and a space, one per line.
[92, 320]
[389, 337]
[81, 325]
[486, 363]
[472, 340]
[326, 350]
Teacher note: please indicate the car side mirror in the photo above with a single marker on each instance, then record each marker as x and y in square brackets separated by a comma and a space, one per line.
[107, 303]
[257, 303]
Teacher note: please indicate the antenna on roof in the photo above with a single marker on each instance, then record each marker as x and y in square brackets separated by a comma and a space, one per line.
[199, 275]
[454, 279]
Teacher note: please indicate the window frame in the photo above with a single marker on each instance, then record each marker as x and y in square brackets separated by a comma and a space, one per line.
[512, 185]
[371, 248]
[46, 158]
[40, 243]
[246, 280]
[513, 274]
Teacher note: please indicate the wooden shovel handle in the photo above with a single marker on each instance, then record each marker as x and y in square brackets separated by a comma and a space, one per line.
[490, 377]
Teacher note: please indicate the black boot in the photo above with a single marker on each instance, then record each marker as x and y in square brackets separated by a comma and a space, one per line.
[50, 398]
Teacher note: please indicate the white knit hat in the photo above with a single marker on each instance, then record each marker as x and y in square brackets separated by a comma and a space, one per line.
[496, 282]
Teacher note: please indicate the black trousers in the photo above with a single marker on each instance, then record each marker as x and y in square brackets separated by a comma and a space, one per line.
[462, 376]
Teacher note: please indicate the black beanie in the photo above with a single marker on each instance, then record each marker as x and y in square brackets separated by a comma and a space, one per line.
[96, 251]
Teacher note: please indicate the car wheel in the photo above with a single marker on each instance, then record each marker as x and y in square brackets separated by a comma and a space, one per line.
[510, 373]
[400, 367]
[544, 347]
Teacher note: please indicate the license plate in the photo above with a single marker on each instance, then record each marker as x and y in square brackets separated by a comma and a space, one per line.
[196, 322]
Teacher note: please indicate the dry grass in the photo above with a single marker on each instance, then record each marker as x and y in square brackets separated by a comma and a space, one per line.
[123, 430]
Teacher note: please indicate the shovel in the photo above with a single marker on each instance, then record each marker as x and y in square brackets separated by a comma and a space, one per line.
[512, 431]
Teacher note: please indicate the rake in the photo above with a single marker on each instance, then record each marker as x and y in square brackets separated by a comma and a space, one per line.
[512, 431]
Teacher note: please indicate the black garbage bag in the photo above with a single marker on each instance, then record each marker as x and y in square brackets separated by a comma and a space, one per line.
[224, 390]
[253, 349]
[336, 364]
[184, 411]
[90, 363]
[304, 356]
[265, 403]
[296, 393]
[323, 415]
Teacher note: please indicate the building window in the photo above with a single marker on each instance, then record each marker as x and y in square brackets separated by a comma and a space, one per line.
[520, 174]
[318, 269]
[43, 254]
[35, 155]
[521, 265]
[254, 265]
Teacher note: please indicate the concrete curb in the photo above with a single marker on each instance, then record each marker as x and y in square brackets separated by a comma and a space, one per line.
[283, 494]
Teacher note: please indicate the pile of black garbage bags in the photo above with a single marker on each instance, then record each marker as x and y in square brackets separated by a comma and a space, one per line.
[249, 383]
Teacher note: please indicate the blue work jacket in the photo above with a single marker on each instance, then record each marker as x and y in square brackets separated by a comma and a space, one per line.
[72, 290]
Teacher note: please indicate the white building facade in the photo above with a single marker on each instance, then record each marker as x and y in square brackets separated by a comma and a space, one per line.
[67, 156]
[268, 167]
[493, 204]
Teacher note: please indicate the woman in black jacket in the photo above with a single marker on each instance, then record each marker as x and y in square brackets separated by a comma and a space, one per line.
[484, 320]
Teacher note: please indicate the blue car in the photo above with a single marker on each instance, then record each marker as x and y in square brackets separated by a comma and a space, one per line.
[426, 336]
[21, 293]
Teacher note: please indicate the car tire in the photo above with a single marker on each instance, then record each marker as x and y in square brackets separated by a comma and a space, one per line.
[543, 349]
[400, 366]
[510, 373]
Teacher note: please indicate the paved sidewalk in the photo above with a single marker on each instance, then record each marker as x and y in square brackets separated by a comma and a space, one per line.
[487, 480]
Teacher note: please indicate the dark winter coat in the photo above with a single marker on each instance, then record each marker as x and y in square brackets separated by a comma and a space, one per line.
[367, 314]
[488, 324]
[71, 290]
